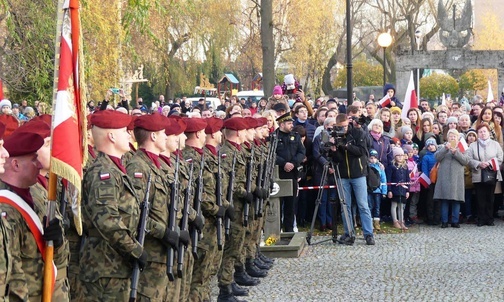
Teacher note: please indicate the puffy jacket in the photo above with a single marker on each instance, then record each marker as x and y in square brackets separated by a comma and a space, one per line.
[428, 161]
[394, 98]
[382, 189]
[382, 146]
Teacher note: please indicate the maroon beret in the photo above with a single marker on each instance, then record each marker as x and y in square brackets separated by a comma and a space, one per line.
[251, 122]
[235, 123]
[194, 124]
[110, 119]
[153, 122]
[262, 121]
[47, 118]
[11, 123]
[36, 126]
[173, 127]
[23, 143]
[214, 124]
[2, 130]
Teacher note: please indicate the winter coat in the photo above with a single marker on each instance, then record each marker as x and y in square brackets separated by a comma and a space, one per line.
[397, 174]
[352, 154]
[310, 129]
[382, 189]
[394, 98]
[428, 161]
[412, 165]
[486, 153]
[382, 146]
[450, 182]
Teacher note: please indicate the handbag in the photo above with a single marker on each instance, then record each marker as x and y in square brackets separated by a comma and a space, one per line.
[488, 175]
[433, 173]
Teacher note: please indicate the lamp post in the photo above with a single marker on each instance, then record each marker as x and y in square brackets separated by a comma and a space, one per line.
[384, 40]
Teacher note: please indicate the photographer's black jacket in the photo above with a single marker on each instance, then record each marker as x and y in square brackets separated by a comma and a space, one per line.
[351, 155]
[290, 149]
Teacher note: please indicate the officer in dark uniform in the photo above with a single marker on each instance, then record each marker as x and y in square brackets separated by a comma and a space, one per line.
[290, 153]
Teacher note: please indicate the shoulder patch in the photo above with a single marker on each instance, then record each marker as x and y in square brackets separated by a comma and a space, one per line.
[104, 176]
[138, 175]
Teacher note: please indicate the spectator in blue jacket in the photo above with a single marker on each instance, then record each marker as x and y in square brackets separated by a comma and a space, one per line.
[301, 118]
[375, 197]
[428, 162]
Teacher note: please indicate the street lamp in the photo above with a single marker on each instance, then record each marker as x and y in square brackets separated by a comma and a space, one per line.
[384, 40]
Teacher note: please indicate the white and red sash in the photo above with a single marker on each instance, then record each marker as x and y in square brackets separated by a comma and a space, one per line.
[33, 221]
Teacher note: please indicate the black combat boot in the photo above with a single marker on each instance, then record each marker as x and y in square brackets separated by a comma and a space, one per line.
[239, 291]
[262, 265]
[242, 278]
[226, 294]
[253, 270]
[264, 258]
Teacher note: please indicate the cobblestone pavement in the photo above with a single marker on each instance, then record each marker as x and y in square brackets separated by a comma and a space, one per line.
[426, 264]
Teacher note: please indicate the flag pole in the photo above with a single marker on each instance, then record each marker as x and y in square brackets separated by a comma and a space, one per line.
[48, 282]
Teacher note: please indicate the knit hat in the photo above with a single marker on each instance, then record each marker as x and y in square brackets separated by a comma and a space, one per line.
[471, 131]
[395, 140]
[429, 142]
[397, 151]
[5, 102]
[407, 148]
[405, 129]
[414, 146]
[452, 119]
[277, 90]
[395, 109]
[373, 152]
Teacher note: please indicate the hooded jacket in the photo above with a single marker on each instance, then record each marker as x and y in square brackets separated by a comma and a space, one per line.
[394, 98]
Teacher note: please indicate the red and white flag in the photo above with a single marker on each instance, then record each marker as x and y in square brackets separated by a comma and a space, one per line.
[1, 90]
[413, 172]
[68, 150]
[424, 180]
[462, 145]
[410, 99]
[385, 101]
[494, 163]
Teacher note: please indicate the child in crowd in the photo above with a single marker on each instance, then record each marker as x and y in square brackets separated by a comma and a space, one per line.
[375, 197]
[471, 137]
[414, 190]
[398, 177]
[428, 162]
[407, 135]
[416, 157]
[395, 142]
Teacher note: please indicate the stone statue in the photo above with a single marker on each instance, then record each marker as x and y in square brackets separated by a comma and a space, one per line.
[455, 32]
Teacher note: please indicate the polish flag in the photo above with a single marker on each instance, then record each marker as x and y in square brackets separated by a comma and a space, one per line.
[410, 99]
[462, 145]
[413, 172]
[384, 102]
[424, 180]
[494, 164]
[443, 99]
[490, 96]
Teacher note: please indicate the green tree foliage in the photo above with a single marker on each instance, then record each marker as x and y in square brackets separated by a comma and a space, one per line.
[364, 74]
[472, 80]
[436, 84]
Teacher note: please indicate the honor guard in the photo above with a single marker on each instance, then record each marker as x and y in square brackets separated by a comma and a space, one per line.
[150, 135]
[111, 213]
[21, 171]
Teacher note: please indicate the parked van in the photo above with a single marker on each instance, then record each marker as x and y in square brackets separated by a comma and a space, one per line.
[255, 95]
[210, 101]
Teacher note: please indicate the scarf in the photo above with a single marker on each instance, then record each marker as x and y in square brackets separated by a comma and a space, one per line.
[387, 126]
[484, 142]
[375, 135]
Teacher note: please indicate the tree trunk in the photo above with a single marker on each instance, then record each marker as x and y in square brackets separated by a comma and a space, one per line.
[268, 48]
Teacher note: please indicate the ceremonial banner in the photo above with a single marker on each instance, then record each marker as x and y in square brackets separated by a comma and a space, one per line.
[410, 99]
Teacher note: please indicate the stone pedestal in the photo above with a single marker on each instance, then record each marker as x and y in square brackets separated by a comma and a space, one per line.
[281, 188]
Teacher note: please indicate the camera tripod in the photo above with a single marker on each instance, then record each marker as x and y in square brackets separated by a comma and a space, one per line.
[341, 197]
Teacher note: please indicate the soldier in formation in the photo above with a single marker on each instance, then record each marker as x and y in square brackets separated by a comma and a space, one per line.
[195, 185]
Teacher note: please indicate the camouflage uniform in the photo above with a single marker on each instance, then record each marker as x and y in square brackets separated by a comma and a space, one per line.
[234, 246]
[110, 213]
[209, 257]
[62, 285]
[5, 258]
[153, 280]
[27, 282]
[178, 288]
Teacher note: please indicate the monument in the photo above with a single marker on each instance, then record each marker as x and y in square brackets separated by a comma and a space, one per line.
[455, 34]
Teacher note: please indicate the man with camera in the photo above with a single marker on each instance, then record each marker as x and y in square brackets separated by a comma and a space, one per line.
[350, 154]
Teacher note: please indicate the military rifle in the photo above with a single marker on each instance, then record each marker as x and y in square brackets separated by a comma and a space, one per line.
[142, 224]
[195, 234]
[188, 194]
[248, 186]
[218, 196]
[227, 223]
[270, 165]
[259, 184]
[172, 220]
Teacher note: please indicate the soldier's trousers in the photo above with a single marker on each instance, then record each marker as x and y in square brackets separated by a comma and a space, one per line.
[233, 247]
[105, 289]
[178, 290]
[153, 283]
[208, 262]
[61, 287]
[73, 268]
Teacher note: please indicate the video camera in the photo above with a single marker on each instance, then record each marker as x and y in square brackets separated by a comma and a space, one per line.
[337, 133]
[362, 120]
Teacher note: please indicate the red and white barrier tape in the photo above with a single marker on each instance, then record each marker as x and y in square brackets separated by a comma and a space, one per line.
[334, 187]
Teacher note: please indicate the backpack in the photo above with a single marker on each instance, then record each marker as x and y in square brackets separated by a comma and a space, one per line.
[372, 179]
